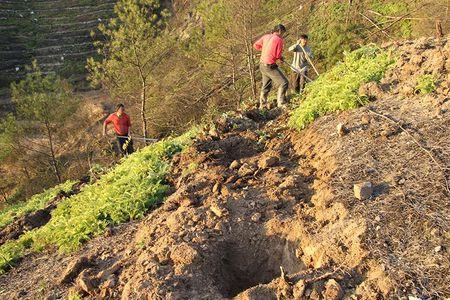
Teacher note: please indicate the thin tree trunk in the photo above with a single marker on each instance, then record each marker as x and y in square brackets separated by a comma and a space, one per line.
[143, 104]
[251, 69]
[54, 162]
[250, 53]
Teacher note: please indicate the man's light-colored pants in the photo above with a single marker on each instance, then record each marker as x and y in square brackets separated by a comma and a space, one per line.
[270, 74]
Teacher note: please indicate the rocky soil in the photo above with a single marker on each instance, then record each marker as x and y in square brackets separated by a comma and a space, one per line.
[259, 211]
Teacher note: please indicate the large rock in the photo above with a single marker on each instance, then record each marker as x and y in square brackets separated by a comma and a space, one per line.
[246, 170]
[73, 269]
[363, 190]
[85, 283]
[333, 290]
[268, 161]
[235, 165]
[341, 129]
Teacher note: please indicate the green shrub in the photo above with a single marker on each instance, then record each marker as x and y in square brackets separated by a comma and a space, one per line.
[127, 192]
[337, 89]
[426, 84]
[39, 201]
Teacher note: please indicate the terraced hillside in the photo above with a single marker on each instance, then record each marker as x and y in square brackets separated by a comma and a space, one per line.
[55, 32]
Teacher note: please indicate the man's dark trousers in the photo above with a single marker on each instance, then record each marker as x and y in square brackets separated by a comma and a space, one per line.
[125, 145]
[299, 81]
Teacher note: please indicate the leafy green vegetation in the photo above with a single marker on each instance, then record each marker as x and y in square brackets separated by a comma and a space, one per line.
[127, 192]
[337, 89]
[12, 251]
[36, 202]
[426, 84]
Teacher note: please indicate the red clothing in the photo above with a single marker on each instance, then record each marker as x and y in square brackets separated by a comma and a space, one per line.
[271, 47]
[121, 125]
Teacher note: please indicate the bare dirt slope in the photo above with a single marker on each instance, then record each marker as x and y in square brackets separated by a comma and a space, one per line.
[261, 212]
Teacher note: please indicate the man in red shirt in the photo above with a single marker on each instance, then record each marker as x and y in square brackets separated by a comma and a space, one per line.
[122, 128]
[271, 47]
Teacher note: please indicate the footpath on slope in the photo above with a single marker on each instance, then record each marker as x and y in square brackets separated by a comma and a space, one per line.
[251, 196]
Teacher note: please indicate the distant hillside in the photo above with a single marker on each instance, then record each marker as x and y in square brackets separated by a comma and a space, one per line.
[55, 32]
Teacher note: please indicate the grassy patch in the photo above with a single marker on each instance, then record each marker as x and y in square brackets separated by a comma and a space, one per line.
[337, 90]
[39, 201]
[426, 84]
[127, 192]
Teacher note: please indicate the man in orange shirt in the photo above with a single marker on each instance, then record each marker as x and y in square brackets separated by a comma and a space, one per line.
[122, 128]
[271, 47]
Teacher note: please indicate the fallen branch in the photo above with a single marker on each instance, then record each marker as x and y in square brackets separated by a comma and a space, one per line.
[375, 24]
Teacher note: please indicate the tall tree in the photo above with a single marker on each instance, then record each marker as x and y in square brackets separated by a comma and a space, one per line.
[43, 103]
[131, 51]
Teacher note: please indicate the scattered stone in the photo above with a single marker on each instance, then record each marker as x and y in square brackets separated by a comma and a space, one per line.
[438, 249]
[365, 120]
[235, 165]
[377, 218]
[186, 202]
[289, 182]
[363, 190]
[341, 129]
[246, 170]
[106, 274]
[268, 162]
[225, 191]
[85, 283]
[73, 269]
[256, 217]
[333, 290]
[217, 210]
[299, 289]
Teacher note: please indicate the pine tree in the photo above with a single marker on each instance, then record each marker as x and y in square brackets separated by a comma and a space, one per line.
[42, 102]
[131, 51]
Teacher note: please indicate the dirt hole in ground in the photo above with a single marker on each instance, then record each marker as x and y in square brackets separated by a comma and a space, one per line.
[249, 262]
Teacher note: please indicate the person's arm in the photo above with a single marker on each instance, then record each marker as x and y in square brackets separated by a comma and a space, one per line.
[105, 125]
[279, 50]
[294, 48]
[258, 44]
